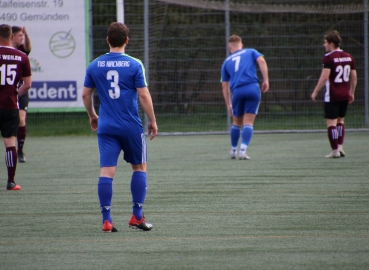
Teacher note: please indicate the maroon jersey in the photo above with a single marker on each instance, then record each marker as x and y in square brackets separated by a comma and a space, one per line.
[22, 49]
[14, 65]
[338, 86]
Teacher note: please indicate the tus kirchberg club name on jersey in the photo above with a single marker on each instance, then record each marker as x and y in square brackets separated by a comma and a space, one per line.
[113, 63]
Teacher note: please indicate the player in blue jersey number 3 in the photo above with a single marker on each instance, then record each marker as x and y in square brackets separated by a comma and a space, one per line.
[120, 82]
[241, 91]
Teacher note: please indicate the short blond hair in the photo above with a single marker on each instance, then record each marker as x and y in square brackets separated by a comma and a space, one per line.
[234, 39]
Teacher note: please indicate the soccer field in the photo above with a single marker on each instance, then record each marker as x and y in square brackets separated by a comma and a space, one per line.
[286, 208]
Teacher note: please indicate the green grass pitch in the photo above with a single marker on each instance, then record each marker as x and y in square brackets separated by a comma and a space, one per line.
[286, 208]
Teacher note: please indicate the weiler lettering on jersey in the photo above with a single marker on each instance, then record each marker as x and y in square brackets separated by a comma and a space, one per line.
[11, 57]
[53, 91]
[342, 59]
[113, 63]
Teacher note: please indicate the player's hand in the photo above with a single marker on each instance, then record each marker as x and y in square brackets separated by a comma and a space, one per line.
[265, 86]
[351, 98]
[313, 96]
[152, 129]
[93, 123]
[230, 110]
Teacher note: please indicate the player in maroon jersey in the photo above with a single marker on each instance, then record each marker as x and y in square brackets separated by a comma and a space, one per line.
[22, 42]
[339, 77]
[14, 67]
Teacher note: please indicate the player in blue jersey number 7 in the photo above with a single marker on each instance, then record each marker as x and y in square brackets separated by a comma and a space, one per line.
[241, 91]
[120, 82]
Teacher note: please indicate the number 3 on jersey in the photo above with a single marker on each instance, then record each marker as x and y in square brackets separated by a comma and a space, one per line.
[343, 74]
[113, 76]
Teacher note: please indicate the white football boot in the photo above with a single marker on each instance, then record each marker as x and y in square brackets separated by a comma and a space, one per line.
[334, 154]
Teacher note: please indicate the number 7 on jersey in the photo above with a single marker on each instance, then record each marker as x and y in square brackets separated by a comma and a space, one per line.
[237, 65]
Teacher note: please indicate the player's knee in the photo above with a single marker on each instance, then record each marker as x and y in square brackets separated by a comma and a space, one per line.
[139, 167]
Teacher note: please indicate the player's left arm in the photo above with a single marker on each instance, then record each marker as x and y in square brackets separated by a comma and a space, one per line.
[27, 41]
[264, 72]
[353, 82]
[26, 77]
[324, 76]
[87, 94]
[148, 107]
[26, 85]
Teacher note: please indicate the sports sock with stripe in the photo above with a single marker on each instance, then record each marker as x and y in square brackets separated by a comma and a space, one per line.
[333, 137]
[341, 133]
[11, 162]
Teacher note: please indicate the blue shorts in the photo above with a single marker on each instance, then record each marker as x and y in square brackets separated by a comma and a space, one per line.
[133, 146]
[246, 99]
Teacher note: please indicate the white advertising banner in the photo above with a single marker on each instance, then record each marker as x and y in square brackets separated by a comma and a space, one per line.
[59, 34]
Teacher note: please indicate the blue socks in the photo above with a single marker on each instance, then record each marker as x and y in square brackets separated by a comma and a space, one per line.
[138, 190]
[105, 193]
[246, 135]
[235, 135]
[247, 132]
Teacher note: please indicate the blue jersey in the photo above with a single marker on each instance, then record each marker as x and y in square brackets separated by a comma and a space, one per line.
[116, 77]
[240, 68]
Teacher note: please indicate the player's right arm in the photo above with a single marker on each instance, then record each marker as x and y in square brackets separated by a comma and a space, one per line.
[224, 79]
[88, 103]
[146, 103]
[324, 76]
